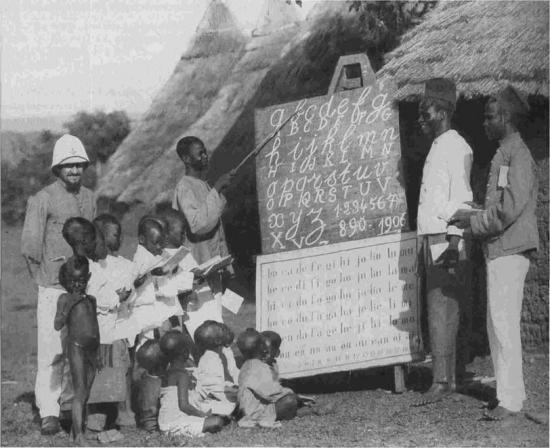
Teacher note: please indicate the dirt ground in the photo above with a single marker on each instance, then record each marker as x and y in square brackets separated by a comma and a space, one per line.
[366, 413]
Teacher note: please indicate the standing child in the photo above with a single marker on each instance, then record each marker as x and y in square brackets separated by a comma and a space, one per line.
[211, 384]
[149, 254]
[177, 286]
[76, 311]
[178, 415]
[151, 358]
[261, 398]
[120, 273]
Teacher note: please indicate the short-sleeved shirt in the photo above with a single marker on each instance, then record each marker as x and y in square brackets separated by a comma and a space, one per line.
[42, 240]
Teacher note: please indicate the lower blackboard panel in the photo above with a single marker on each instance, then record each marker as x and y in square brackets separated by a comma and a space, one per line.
[342, 306]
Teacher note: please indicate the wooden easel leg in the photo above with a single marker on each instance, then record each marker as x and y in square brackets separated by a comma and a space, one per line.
[399, 379]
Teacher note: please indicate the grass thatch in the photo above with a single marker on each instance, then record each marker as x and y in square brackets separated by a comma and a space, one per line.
[482, 45]
[188, 94]
[241, 82]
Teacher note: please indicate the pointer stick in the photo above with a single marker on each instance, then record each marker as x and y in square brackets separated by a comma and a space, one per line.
[267, 139]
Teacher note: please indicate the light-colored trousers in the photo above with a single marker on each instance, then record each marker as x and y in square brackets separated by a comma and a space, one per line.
[50, 364]
[505, 280]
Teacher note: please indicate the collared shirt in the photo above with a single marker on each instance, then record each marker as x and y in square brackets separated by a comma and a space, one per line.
[445, 184]
[41, 240]
[508, 223]
[202, 207]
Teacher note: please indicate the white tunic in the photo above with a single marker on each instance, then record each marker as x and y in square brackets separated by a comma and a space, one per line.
[445, 184]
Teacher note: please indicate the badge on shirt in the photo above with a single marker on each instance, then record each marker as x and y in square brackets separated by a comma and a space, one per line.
[503, 176]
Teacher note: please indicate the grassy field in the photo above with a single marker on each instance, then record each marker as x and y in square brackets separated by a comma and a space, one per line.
[367, 413]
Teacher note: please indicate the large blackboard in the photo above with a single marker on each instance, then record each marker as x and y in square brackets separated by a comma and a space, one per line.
[332, 173]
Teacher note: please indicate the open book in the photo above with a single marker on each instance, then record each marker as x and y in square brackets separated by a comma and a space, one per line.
[213, 265]
[168, 264]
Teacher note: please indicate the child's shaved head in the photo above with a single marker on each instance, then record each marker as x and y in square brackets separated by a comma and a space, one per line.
[251, 344]
[151, 357]
[111, 229]
[80, 234]
[208, 336]
[151, 234]
[149, 222]
[73, 269]
[228, 335]
[173, 343]
[75, 228]
[176, 225]
[273, 337]
[273, 344]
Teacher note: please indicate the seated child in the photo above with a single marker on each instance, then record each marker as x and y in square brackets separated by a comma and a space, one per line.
[178, 415]
[273, 346]
[262, 399]
[151, 358]
[76, 311]
[211, 384]
[231, 371]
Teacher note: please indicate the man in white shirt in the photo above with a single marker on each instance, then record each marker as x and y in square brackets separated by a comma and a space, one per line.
[445, 188]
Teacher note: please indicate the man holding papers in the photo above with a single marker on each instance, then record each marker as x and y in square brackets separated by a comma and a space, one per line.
[508, 226]
[445, 187]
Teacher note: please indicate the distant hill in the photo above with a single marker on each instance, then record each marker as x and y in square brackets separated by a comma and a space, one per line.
[53, 123]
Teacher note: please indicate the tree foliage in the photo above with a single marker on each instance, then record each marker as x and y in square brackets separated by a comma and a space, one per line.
[100, 132]
[27, 177]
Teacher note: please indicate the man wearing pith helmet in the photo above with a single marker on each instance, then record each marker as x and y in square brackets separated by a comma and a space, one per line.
[445, 187]
[45, 250]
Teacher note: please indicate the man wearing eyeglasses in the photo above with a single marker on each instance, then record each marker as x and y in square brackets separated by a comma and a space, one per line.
[45, 250]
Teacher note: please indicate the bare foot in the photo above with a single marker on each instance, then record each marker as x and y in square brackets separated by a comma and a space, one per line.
[436, 393]
[79, 440]
[499, 414]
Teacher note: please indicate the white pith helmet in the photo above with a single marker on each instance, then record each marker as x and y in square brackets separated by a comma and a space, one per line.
[69, 149]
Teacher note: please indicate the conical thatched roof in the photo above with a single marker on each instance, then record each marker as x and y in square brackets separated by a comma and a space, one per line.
[482, 45]
[188, 94]
[155, 181]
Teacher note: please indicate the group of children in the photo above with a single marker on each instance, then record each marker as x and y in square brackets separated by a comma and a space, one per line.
[172, 320]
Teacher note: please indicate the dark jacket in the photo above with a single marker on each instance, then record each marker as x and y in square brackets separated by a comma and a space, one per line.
[508, 223]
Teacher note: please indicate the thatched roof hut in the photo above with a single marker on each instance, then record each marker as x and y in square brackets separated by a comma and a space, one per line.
[198, 77]
[482, 45]
[240, 83]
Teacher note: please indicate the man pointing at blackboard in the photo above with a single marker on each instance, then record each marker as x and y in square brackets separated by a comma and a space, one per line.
[445, 187]
[201, 204]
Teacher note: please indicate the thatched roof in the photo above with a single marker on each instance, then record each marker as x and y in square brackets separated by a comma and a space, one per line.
[155, 181]
[482, 45]
[188, 94]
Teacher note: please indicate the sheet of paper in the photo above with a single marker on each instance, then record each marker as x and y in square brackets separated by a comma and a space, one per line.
[232, 301]
[503, 176]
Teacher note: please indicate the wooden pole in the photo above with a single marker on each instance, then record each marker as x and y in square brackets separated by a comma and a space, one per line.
[258, 148]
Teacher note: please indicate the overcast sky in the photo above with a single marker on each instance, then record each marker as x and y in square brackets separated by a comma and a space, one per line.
[61, 56]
